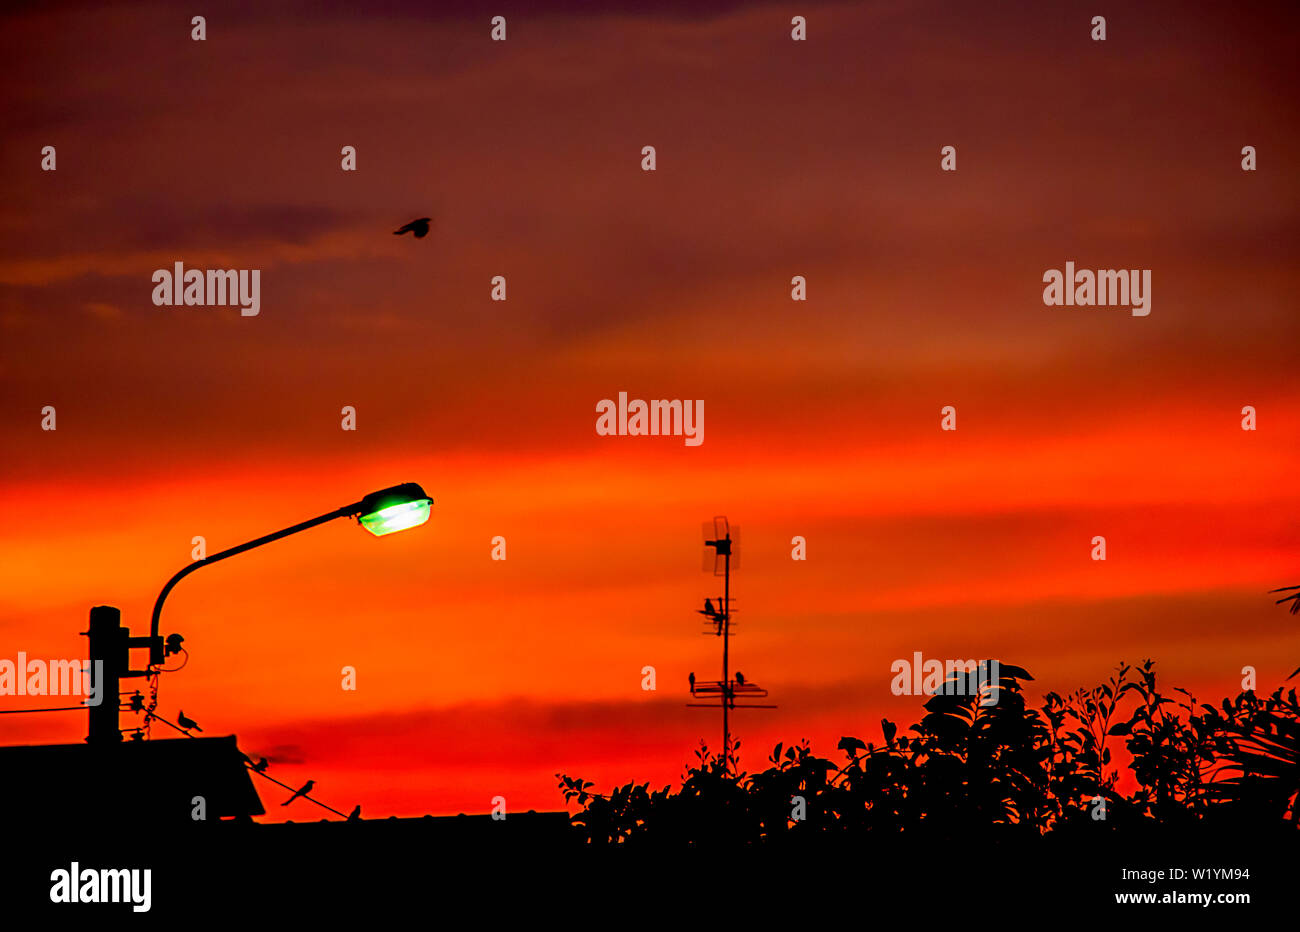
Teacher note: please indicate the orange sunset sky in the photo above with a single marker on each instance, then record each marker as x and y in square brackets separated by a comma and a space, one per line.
[775, 158]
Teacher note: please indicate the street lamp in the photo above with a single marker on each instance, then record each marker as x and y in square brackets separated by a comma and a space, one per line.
[383, 512]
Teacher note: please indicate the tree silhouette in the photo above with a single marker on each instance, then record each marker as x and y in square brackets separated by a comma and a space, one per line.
[1004, 770]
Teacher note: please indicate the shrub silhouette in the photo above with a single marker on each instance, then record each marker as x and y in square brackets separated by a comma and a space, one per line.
[1004, 771]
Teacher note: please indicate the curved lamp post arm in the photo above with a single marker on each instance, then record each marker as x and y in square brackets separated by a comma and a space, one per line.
[156, 643]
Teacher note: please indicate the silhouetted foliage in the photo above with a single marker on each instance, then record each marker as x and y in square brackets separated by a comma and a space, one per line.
[1003, 769]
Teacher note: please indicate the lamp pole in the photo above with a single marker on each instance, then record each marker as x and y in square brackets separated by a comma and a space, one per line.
[156, 642]
[381, 512]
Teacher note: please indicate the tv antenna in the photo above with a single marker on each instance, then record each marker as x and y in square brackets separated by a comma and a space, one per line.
[721, 556]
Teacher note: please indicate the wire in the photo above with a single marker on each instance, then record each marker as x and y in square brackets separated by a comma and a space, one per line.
[181, 667]
[73, 708]
[153, 715]
[154, 681]
[288, 787]
[150, 715]
[251, 768]
[153, 703]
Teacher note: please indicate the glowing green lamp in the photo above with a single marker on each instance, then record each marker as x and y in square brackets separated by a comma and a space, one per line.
[396, 509]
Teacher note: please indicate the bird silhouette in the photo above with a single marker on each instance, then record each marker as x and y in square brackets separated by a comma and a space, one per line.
[187, 723]
[419, 227]
[301, 791]
[355, 815]
[708, 607]
[692, 679]
[740, 678]
[261, 764]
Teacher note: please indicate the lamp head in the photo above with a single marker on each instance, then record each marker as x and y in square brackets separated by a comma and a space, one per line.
[395, 509]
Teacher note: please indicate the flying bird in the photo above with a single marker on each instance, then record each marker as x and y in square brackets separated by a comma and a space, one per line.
[355, 815]
[301, 791]
[187, 723]
[419, 227]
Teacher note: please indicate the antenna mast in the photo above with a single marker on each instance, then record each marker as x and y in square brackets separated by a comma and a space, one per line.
[721, 546]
